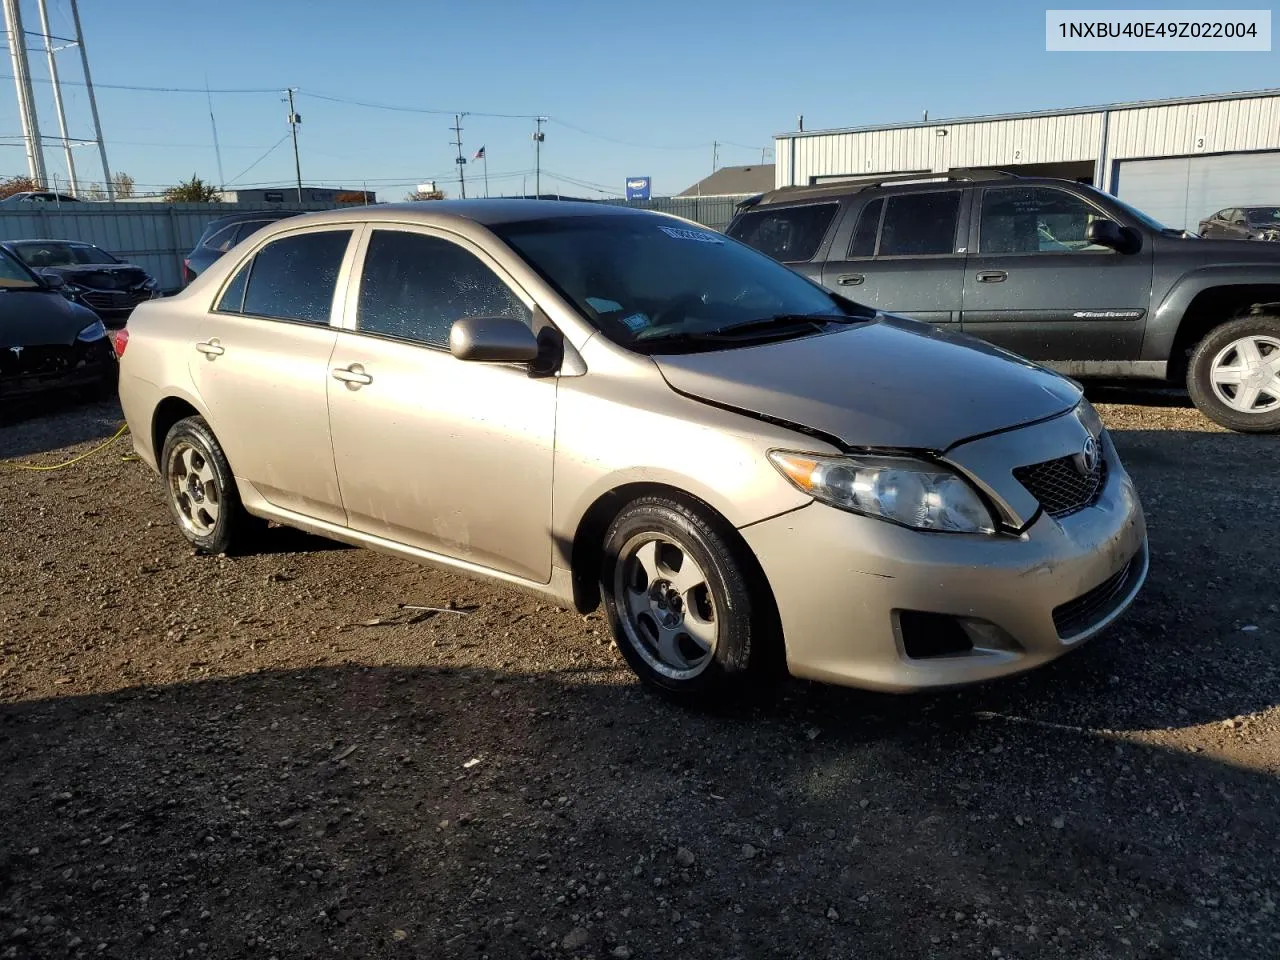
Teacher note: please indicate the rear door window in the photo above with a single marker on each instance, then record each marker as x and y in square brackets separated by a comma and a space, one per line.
[790, 234]
[920, 224]
[864, 235]
[292, 278]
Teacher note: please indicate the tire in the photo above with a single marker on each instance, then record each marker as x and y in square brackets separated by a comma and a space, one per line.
[201, 490]
[1225, 355]
[726, 641]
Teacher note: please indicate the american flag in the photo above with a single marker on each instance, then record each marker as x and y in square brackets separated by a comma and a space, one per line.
[479, 154]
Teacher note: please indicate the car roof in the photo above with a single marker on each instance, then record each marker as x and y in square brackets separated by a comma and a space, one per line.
[905, 182]
[73, 243]
[488, 213]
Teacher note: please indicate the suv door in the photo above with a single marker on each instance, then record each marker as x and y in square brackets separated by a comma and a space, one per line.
[261, 367]
[791, 235]
[903, 253]
[1034, 285]
[444, 455]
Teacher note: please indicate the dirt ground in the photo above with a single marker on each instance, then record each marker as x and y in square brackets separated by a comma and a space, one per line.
[269, 757]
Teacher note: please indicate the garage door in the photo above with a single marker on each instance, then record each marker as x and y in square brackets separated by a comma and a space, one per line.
[1182, 191]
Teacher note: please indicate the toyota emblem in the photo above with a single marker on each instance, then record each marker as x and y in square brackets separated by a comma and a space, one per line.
[1087, 459]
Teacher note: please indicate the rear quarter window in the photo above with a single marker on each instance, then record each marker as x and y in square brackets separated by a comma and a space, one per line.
[788, 234]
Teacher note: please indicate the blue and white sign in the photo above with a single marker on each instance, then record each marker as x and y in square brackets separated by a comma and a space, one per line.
[637, 188]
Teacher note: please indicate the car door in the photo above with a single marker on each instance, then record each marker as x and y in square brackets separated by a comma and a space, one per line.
[444, 455]
[261, 367]
[1034, 285]
[791, 235]
[902, 253]
[1237, 227]
[1211, 225]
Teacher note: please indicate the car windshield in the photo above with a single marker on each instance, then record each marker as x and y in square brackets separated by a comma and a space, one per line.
[648, 282]
[37, 254]
[1259, 215]
[13, 275]
[1144, 218]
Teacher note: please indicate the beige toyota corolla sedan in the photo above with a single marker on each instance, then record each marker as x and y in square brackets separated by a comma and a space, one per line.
[752, 475]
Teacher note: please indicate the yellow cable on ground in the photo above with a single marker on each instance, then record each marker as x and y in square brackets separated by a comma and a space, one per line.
[5, 464]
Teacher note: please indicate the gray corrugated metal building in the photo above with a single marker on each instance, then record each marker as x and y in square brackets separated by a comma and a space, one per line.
[1179, 160]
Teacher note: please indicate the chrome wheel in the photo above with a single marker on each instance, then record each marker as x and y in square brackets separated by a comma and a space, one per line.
[666, 606]
[194, 488]
[1245, 374]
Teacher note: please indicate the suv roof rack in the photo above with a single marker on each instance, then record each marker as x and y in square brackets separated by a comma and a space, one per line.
[854, 184]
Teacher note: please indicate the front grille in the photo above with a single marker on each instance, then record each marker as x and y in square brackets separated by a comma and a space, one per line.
[1076, 616]
[1059, 485]
[114, 300]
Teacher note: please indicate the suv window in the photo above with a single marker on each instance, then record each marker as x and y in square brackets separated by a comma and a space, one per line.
[249, 226]
[864, 235]
[292, 278]
[413, 287]
[1034, 220]
[223, 240]
[920, 224]
[790, 234]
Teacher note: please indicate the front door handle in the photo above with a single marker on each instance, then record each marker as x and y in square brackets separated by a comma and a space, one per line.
[353, 376]
[992, 276]
[211, 348]
[850, 279]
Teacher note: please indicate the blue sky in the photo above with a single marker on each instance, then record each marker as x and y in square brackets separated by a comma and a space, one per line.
[666, 78]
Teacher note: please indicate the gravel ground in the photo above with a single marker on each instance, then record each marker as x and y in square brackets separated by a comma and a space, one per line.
[268, 756]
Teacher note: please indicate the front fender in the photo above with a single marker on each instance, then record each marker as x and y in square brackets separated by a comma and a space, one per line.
[1162, 330]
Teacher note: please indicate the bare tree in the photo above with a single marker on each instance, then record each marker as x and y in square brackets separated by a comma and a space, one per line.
[94, 191]
[17, 185]
[123, 185]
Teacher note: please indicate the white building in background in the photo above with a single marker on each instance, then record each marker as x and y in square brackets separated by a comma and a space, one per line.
[1179, 160]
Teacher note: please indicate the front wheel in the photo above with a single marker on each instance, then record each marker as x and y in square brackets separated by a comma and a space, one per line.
[1234, 376]
[678, 593]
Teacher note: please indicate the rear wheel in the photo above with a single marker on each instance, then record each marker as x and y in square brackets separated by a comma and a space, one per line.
[1234, 376]
[201, 490]
[678, 594]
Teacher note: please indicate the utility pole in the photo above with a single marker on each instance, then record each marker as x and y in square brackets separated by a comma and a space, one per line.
[538, 137]
[93, 101]
[294, 120]
[715, 154]
[57, 97]
[26, 100]
[461, 161]
[217, 150]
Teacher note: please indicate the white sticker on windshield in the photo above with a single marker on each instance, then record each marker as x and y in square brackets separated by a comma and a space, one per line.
[637, 321]
[684, 233]
[603, 305]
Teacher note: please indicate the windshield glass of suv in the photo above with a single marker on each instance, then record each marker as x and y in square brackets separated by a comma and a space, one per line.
[62, 254]
[646, 279]
[1261, 215]
[13, 275]
[1138, 215]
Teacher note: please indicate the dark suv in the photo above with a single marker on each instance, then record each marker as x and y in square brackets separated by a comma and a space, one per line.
[222, 234]
[1054, 270]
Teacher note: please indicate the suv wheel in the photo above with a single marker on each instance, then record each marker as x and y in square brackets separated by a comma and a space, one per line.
[1234, 376]
[201, 490]
[678, 596]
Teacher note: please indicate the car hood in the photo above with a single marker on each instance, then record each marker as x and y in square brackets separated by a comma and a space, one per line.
[31, 318]
[101, 276]
[1217, 251]
[892, 382]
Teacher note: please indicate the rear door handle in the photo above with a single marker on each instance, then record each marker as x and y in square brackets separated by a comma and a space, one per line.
[992, 276]
[353, 376]
[211, 348]
[850, 279]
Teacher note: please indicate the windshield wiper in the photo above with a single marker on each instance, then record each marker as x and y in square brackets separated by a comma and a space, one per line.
[778, 325]
[782, 320]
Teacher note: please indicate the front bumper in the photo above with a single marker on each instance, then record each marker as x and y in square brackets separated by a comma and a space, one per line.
[81, 366]
[841, 582]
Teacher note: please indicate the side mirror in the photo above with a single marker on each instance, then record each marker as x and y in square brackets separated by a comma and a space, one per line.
[493, 340]
[1108, 233]
[53, 280]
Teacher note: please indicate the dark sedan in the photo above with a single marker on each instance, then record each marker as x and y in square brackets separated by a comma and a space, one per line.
[222, 234]
[89, 275]
[1242, 223]
[48, 343]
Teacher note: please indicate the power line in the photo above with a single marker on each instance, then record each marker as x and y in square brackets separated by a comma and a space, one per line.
[406, 109]
[259, 160]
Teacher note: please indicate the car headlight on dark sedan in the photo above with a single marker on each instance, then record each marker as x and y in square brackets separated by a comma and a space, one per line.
[912, 493]
[94, 331]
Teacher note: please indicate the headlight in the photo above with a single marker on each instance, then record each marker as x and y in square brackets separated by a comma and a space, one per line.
[912, 493]
[94, 331]
[1089, 417]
